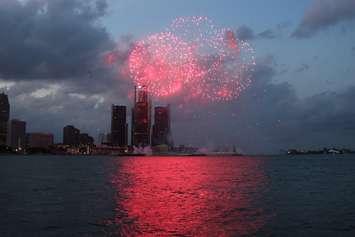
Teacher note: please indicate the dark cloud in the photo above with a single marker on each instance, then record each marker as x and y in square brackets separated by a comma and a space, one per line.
[267, 34]
[245, 33]
[304, 67]
[323, 14]
[283, 26]
[51, 39]
[268, 59]
[48, 106]
[283, 71]
[269, 117]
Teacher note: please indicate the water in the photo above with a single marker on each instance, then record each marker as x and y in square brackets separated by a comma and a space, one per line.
[197, 196]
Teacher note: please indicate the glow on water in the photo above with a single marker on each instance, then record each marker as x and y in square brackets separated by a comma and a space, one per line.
[188, 197]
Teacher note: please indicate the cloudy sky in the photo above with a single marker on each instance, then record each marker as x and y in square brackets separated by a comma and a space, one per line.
[52, 67]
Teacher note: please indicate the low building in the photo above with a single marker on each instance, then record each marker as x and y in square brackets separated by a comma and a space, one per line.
[85, 139]
[39, 140]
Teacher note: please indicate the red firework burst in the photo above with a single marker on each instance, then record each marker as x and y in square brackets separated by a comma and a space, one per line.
[192, 58]
[164, 64]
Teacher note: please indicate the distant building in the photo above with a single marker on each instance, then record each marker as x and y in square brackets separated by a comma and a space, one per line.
[85, 139]
[161, 134]
[71, 136]
[101, 139]
[17, 134]
[107, 139]
[39, 140]
[4, 117]
[119, 126]
[141, 118]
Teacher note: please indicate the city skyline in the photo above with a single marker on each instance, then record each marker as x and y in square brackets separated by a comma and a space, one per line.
[145, 131]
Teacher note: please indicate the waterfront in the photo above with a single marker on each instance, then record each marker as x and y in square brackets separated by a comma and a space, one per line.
[170, 196]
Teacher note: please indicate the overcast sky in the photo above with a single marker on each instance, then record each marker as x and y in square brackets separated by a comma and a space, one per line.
[302, 88]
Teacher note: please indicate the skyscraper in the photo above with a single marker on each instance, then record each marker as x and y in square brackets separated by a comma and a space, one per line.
[4, 117]
[141, 118]
[71, 135]
[161, 129]
[17, 134]
[119, 126]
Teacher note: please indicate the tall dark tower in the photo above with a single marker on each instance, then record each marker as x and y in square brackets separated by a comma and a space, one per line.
[141, 118]
[4, 117]
[161, 129]
[119, 126]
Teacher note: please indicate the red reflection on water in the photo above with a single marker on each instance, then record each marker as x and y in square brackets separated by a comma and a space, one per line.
[189, 196]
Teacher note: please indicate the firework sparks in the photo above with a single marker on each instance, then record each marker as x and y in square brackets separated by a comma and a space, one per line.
[164, 64]
[192, 58]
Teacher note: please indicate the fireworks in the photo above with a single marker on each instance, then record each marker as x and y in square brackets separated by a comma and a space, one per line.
[164, 64]
[192, 58]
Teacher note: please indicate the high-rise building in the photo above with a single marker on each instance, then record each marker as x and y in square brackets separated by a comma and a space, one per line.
[39, 140]
[141, 116]
[161, 129]
[17, 134]
[119, 126]
[4, 117]
[71, 135]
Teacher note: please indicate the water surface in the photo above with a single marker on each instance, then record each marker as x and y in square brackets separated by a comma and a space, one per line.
[175, 196]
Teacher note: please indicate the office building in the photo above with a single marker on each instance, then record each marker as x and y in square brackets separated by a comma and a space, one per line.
[161, 128]
[141, 118]
[85, 139]
[119, 126]
[4, 117]
[71, 135]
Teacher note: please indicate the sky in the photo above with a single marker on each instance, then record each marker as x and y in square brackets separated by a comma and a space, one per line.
[52, 67]
[330, 45]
